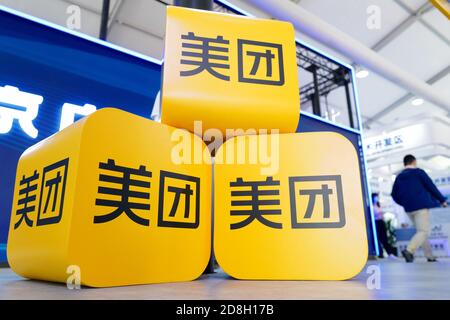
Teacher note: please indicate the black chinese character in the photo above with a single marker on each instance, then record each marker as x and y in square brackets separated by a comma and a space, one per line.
[190, 192]
[125, 181]
[267, 54]
[398, 139]
[27, 200]
[378, 144]
[326, 194]
[53, 184]
[255, 212]
[206, 51]
[53, 187]
[387, 142]
[187, 192]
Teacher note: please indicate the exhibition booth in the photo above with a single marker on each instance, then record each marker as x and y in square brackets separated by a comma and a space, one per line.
[52, 77]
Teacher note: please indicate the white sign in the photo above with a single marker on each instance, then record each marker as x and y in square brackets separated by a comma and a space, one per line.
[24, 107]
[404, 138]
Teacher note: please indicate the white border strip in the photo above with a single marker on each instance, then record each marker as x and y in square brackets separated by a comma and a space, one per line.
[372, 216]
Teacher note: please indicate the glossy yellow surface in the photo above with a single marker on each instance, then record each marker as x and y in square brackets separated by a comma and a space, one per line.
[155, 246]
[283, 239]
[251, 81]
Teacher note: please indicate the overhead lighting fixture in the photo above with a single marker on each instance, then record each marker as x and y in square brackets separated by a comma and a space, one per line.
[440, 162]
[362, 73]
[417, 101]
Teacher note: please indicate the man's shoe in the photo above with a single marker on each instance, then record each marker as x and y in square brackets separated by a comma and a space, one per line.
[409, 257]
[431, 259]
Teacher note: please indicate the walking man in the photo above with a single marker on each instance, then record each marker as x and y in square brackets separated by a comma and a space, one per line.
[416, 193]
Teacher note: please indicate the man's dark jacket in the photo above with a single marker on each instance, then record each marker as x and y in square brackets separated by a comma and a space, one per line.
[414, 190]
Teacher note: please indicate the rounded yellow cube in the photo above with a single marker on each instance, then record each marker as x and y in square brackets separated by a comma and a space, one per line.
[106, 202]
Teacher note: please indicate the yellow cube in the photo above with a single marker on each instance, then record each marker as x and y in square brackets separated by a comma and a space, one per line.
[289, 207]
[108, 199]
[230, 72]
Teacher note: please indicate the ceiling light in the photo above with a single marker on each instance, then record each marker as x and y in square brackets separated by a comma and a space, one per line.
[362, 73]
[440, 162]
[417, 101]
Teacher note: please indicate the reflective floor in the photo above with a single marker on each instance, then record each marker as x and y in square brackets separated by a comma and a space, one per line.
[381, 279]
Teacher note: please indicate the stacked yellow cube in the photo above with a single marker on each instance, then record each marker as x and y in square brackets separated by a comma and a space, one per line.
[123, 200]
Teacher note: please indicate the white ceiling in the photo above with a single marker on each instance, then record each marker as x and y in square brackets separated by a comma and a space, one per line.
[421, 46]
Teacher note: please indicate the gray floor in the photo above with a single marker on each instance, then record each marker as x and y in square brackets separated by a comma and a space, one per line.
[398, 280]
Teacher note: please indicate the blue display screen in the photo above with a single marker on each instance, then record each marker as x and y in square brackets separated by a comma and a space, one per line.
[43, 69]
